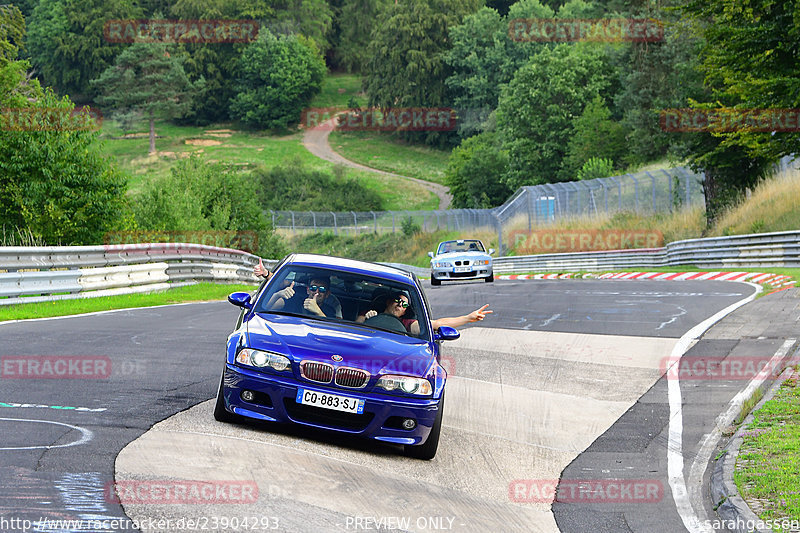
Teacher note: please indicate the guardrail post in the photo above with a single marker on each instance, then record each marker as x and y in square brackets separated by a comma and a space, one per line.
[314, 219]
[394, 227]
[335, 229]
[293, 226]
[355, 223]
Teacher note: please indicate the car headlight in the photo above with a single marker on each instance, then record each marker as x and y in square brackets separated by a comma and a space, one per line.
[481, 262]
[407, 384]
[441, 264]
[259, 359]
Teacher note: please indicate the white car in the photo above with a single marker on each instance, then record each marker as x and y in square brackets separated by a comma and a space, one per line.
[461, 259]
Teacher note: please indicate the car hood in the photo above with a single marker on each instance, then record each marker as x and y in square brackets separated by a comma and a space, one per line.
[375, 351]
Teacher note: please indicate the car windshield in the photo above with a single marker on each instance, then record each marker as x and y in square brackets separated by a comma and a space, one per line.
[461, 246]
[332, 295]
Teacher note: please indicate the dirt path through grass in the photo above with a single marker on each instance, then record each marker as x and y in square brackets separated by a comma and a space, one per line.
[316, 141]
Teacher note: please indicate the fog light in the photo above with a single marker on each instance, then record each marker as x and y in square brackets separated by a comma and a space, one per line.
[409, 423]
[247, 396]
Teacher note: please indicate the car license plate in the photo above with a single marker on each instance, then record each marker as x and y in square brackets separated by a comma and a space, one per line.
[330, 401]
[462, 269]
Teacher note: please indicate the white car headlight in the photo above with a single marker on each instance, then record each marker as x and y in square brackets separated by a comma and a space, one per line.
[441, 264]
[260, 359]
[407, 384]
[481, 262]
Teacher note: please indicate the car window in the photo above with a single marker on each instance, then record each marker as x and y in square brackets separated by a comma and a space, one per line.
[461, 246]
[348, 298]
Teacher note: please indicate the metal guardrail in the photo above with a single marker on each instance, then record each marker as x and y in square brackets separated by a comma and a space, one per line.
[32, 274]
[765, 250]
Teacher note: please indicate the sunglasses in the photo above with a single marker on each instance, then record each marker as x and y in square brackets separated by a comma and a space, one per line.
[401, 303]
[320, 288]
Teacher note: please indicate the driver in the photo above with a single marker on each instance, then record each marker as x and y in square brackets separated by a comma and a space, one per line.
[315, 302]
[396, 306]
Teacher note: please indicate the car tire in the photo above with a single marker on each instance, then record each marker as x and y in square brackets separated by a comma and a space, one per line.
[490, 279]
[427, 450]
[220, 413]
[435, 281]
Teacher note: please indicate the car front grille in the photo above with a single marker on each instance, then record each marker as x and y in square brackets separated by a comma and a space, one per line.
[459, 263]
[352, 378]
[319, 372]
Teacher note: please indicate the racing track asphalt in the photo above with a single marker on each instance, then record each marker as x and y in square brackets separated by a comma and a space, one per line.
[532, 387]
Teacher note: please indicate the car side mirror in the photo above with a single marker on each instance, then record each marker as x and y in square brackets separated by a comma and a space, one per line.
[240, 299]
[446, 333]
[430, 254]
[491, 251]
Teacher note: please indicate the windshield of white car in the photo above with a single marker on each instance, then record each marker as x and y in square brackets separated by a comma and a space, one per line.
[460, 246]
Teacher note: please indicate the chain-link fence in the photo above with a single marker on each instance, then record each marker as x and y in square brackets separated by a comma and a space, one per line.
[530, 207]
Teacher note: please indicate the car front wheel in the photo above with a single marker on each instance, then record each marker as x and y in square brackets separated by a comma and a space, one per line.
[220, 413]
[435, 281]
[427, 450]
[490, 279]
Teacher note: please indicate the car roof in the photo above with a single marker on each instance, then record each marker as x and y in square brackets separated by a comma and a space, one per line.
[351, 265]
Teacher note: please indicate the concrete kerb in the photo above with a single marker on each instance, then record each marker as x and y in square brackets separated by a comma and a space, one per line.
[731, 507]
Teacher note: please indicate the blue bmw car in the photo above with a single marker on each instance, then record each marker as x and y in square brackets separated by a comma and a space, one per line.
[340, 345]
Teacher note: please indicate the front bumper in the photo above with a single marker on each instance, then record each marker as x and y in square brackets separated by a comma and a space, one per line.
[480, 272]
[275, 401]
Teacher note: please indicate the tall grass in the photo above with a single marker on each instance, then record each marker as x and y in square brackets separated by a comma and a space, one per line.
[774, 205]
[19, 237]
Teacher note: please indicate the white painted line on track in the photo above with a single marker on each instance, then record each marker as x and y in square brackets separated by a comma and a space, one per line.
[677, 480]
[86, 435]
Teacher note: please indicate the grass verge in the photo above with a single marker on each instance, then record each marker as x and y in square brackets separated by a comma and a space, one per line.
[189, 293]
[388, 153]
[769, 458]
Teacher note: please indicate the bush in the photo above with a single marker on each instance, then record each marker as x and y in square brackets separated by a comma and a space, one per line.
[475, 171]
[596, 167]
[409, 227]
[199, 196]
[292, 187]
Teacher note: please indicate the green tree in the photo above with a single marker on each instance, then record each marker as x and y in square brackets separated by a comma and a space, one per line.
[146, 78]
[595, 135]
[54, 182]
[279, 77]
[67, 44]
[354, 21]
[475, 172]
[12, 31]
[537, 108]
[749, 59]
[406, 65]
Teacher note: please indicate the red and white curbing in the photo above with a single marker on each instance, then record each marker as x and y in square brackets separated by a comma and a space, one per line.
[774, 280]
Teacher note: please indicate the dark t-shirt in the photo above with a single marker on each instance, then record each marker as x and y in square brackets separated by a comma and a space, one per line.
[295, 305]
